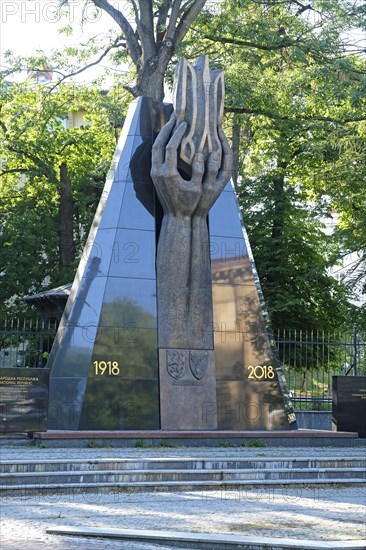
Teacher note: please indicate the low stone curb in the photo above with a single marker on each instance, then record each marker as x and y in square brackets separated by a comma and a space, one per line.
[203, 541]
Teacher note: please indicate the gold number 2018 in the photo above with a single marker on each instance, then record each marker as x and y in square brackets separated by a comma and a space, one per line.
[106, 367]
[260, 372]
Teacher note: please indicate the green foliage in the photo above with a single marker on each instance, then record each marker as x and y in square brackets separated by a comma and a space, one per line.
[296, 89]
[42, 128]
[253, 444]
[141, 444]
[92, 444]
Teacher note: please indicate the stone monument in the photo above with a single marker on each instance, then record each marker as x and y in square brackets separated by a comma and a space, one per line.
[165, 327]
[191, 164]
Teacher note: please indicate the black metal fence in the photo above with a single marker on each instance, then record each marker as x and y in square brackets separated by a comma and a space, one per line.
[26, 342]
[309, 358]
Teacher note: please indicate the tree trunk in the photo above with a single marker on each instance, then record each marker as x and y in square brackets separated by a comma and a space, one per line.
[236, 148]
[278, 222]
[150, 76]
[279, 203]
[65, 219]
[150, 82]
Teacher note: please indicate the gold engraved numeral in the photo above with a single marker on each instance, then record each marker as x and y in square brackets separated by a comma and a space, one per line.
[261, 372]
[106, 367]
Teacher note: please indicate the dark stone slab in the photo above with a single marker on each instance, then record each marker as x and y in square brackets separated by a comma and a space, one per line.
[206, 438]
[187, 389]
[349, 404]
[104, 363]
[194, 434]
[23, 399]
[251, 387]
[131, 403]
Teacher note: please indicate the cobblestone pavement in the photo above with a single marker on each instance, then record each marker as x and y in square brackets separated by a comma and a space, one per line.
[322, 513]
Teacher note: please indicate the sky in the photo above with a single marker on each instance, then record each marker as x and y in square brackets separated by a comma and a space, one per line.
[26, 25]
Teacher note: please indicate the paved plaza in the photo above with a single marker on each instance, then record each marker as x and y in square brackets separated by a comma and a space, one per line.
[323, 513]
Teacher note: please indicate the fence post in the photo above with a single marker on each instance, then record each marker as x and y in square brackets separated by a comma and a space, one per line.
[355, 346]
[41, 338]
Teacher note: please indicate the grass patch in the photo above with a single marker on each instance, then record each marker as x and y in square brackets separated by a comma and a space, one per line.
[140, 444]
[92, 444]
[253, 444]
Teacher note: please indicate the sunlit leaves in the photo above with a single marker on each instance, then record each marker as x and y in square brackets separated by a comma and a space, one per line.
[40, 129]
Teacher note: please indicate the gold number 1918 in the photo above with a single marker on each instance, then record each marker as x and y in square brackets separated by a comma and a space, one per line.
[106, 367]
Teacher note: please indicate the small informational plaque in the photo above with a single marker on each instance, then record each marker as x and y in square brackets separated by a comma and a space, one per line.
[23, 399]
[349, 404]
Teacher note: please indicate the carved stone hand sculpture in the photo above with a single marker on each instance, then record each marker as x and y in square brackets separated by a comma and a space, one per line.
[191, 145]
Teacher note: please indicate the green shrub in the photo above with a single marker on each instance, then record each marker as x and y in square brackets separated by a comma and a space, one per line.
[140, 444]
[253, 444]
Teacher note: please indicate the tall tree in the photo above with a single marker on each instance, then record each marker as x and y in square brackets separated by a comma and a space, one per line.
[52, 173]
[295, 86]
[152, 31]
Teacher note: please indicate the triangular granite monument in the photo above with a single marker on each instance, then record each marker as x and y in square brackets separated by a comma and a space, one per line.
[136, 350]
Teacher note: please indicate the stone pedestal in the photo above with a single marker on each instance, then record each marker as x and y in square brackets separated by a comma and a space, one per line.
[349, 404]
[187, 389]
[23, 399]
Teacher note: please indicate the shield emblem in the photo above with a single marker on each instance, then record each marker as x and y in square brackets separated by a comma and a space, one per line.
[198, 363]
[175, 363]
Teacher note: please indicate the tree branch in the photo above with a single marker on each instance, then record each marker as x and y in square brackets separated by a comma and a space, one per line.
[237, 42]
[133, 46]
[161, 22]
[115, 44]
[145, 23]
[14, 171]
[35, 159]
[187, 19]
[173, 18]
[275, 116]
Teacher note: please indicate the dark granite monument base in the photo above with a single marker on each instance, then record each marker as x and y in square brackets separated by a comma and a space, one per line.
[349, 404]
[199, 438]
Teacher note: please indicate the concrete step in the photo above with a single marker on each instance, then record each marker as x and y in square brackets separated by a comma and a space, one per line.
[136, 476]
[32, 477]
[15, 440]
[114, 464]
[133, 489]
[205, 541]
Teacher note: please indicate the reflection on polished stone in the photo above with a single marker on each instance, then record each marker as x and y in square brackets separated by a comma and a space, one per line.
[133, 214]
[105, 352]
[226, 226]
[120, 405]
[251, 389]
[243, 406]
[132, 303]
